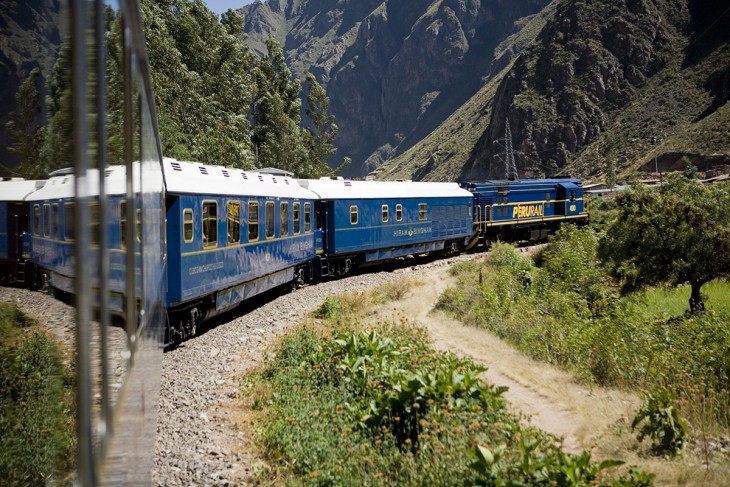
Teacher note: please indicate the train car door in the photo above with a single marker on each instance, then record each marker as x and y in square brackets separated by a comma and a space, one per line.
[320, 221]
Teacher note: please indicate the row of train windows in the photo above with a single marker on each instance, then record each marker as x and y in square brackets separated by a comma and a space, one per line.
[51, 222]
[422, 213]
[233, 221]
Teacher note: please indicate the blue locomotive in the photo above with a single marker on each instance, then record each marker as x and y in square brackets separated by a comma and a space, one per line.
[233, 234]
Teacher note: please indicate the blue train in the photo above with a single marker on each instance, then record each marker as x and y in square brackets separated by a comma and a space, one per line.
[232, 234]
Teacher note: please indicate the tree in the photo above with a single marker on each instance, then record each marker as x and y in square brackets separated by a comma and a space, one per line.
[679, 233]
[323, 129]
[25, 130]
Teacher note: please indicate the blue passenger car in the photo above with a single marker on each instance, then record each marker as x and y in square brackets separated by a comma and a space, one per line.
[524, 210]
[368, 221]
[52, 231]
[231, 234]
[14, 241]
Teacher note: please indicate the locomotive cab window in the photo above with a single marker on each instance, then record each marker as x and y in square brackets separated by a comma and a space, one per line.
[68, 221]
[353, 215]
[253, 220]
[36, 220]
[297, 218]
[385, 213]
[210, 224]
[398, 213]
[270, 219]
[188, 225]
[307, 217]
[234, 222]
[422, 211]
[284, 219]
[572, 196]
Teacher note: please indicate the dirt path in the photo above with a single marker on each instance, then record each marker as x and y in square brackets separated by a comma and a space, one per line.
[548, 397]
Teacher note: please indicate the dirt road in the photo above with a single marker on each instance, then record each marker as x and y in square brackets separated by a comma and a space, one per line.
[546, 396]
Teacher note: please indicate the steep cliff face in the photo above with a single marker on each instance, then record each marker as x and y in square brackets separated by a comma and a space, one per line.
[29, 38]
[605, 83]
[393, 70]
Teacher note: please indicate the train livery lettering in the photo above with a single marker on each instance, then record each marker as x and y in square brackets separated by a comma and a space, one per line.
[526, 211]
[206, 268]
[409, 232]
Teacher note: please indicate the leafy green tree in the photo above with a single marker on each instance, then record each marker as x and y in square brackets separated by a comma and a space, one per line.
[201, 77]
[57, 150]
[25, 130]
[323, 129]
[277, 135]
[679, 233]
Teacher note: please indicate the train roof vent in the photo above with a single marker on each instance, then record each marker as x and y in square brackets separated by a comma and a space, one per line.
[225, 173]
[244, 175]
[286, 180]
[273, 179]
[176, 166]
[261, 178]
[107, 173]
[203, 170]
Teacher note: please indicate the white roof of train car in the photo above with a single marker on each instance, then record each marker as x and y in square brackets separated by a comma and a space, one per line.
[17, 189]
[346, 189]
[61, 183]
[195, 178]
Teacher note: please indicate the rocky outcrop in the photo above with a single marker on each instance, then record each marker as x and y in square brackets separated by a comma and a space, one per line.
[586, 63]
[393, 70]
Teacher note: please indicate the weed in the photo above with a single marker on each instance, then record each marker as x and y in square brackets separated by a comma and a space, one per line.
[661, 423]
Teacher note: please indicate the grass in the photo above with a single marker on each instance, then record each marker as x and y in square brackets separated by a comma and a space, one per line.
[341, 403]
[566, 312]
[36, 404]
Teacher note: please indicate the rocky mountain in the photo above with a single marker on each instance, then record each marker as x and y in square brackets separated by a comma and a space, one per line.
[393, 70]
[29, 38]
[588, 87]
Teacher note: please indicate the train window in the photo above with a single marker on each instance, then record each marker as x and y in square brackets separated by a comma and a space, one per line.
[422, 211]
[307, 217]
[210, 224]
[398, 213]
[123, 224]
[297, 218]
[572, 196]
[270, 219]
[385, 213]
[68, 221]
[36, 220]
[138, 237]
[188, 225]
[46, 220]
[94, 224]
[54, 221]
[284, 219]
[253, 220]
[234, 222]
[547, 196]
[353, 215]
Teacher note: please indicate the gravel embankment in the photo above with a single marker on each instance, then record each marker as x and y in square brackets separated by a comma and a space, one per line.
[201, 378]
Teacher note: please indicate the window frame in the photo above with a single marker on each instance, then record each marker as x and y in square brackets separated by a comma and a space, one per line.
[297, 217]
[95, 223]
[253, 224]
[385, 213]
[307, 217]
[46, 220]
[398, 212]
[185, 223]
[123, 224]
[354, 212]
[55, 222]
[69, 221]
[422, 212]
[270, 220]
[206, 225]
[233, 224]
[284, 219]
[37, 220]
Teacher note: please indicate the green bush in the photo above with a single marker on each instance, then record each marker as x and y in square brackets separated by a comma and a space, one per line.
[660, 421]
[363, 408]
[36, 435]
